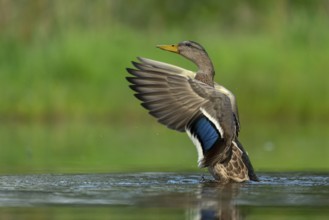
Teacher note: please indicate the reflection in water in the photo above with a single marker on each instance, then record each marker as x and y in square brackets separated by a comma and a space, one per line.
[171, 195]
[216, 201]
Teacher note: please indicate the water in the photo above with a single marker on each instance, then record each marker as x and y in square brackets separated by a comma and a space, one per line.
[163, 196]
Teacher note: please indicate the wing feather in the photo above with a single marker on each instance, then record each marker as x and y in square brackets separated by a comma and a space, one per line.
[175, 99]
[167, 96]
[153, 65]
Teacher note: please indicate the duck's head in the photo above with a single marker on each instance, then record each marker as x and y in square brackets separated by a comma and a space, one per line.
[189, 49]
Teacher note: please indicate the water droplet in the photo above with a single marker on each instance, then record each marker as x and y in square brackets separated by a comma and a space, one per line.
[269, 146]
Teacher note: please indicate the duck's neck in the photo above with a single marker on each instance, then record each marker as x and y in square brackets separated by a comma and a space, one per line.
[206, 71]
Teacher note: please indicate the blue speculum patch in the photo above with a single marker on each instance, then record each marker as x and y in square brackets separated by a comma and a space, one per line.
[206, 132]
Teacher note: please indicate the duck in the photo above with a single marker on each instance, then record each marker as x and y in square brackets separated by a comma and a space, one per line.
[191, 102]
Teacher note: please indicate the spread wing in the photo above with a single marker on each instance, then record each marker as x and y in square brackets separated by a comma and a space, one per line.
[182, 103]
[174, 98]
[153, 65]
[168, 97]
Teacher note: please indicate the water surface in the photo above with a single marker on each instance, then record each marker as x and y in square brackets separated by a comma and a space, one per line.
[164, 195]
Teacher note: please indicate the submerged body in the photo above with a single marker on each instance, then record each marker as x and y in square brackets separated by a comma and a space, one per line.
[193, 103]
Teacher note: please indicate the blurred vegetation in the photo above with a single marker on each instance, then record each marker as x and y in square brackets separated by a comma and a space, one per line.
[66, 105]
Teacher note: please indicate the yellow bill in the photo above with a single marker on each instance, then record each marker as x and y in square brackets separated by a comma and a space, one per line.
[171, 48]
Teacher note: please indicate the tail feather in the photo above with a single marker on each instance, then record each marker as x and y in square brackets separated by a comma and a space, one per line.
[251, 173]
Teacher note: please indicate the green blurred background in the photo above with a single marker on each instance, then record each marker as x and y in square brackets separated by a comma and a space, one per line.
[65, 106]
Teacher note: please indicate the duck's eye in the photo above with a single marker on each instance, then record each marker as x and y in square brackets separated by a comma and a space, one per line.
[188, 44]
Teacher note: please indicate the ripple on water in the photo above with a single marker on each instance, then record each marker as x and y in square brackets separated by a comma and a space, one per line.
[162, 189]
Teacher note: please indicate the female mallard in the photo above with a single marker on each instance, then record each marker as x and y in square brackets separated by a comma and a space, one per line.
[187, 101]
